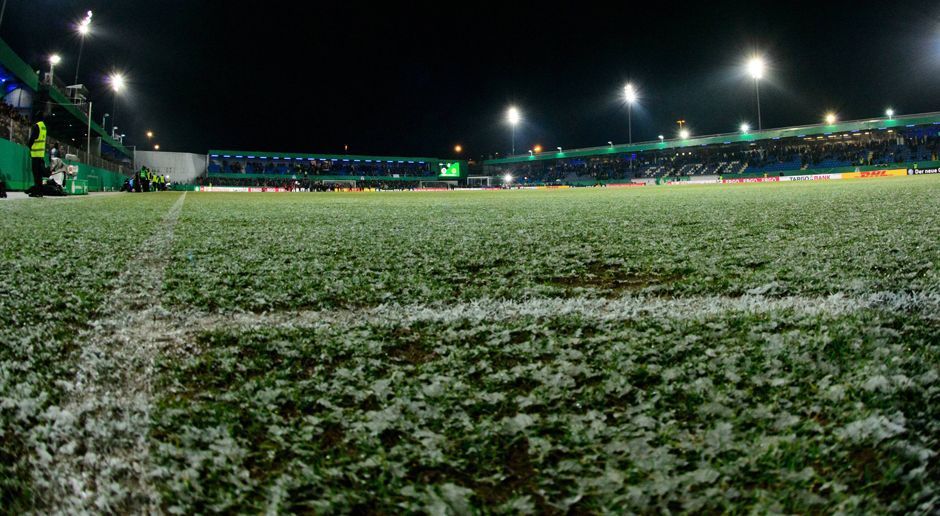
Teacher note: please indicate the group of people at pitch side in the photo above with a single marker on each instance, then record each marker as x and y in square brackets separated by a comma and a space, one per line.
[146, 181]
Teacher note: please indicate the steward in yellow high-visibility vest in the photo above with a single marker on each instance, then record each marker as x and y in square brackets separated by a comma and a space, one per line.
[37, 154]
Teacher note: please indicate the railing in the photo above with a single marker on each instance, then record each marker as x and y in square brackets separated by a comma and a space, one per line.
[89, 159]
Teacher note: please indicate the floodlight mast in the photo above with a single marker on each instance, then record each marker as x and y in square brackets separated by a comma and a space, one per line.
[630, 95]
[756, 67]
[83, 28]
[513, 117]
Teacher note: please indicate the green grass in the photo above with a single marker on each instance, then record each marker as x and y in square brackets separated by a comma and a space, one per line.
[734, 348]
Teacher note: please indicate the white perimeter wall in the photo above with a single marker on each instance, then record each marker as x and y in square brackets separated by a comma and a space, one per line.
[180, 166]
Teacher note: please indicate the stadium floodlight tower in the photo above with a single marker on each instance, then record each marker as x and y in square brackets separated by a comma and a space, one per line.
[631, 96]
[117, 82]
[513, 117]
[755, 68]
[83, 28]
[54, 59]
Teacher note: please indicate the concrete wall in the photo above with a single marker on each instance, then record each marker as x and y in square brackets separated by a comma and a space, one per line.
[183, 168]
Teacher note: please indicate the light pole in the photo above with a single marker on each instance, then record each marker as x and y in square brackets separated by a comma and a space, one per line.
[630, 95]
[84, 27]
[54, 59]
[890, 114]
[513, 117]
[756, 67]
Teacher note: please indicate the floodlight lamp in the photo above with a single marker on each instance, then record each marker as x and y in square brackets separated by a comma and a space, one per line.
[630, 94]
[55, 59]
[507, 178]
[684, 134]
[756, 67]
[745, 127]
[513, 116]
[830, 118]
[117, 82]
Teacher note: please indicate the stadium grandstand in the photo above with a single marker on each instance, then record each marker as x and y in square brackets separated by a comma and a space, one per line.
[898, 142]
[318, 171]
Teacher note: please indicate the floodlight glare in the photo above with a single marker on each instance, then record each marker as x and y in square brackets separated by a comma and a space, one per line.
[890, 113]
[507, 178]
[84, 26]
[513, 116]
[830, 118]
[149, 134]
[537, 148]
[661, 138]
[55, 59]
[745, 128]
[756, 67]
[117, 82]
[630, 94]
[684, 134]
[559, 149]
[458, 148]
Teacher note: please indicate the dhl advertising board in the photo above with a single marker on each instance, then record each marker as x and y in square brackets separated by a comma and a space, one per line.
[874, 173]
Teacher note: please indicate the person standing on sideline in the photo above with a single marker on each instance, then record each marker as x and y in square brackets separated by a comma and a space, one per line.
[37, 153]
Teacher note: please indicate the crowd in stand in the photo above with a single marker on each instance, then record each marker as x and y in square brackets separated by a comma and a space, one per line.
[13, 125]
[772, 157]
[322, 167]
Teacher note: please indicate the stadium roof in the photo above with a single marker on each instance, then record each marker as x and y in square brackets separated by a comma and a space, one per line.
[232, 154]
[803, 131]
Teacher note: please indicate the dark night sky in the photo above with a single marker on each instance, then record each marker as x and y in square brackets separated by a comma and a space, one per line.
[415, 80]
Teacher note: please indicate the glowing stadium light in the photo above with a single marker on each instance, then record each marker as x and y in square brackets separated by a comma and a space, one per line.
[507, 178]
[631, 96]
[559, 149]
[149, 134]
[156, 147]
[684, 134]
[83, 29]
[630, 93]
[662, 139]
[54, 59]
[513, 116]
[745, 127]
[458, 148]
[537, 148]
[84, 26]
[890, 114]
[611, 144]
[756, 67]
[531, 153]
[830, 118]
[117, 82]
